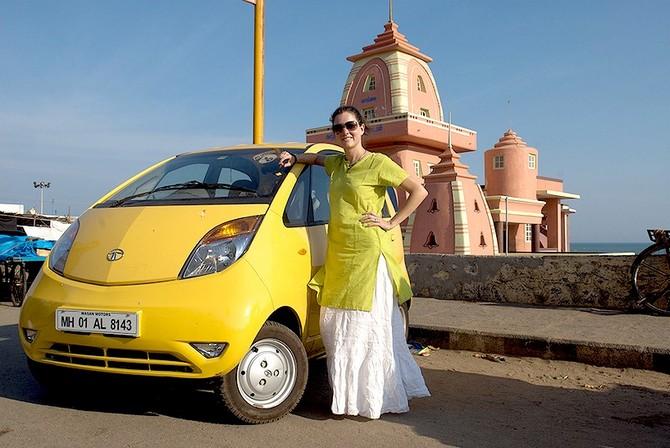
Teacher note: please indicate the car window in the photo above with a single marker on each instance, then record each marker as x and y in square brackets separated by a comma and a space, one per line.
[394, 198]
[390, 192]
[295, 213]
[319, 199]
[228, 175]
[309, 204]
[385, 211]
[183, 174]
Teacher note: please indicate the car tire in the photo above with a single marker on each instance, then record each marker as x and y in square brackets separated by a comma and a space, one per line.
[404, 314]
[51, 379]
[270, 379]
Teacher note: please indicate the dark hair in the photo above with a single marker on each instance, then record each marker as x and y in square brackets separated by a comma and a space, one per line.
[350, 109]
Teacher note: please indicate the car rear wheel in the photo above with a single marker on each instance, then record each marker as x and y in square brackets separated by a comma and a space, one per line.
[269, 380]
[404, 314]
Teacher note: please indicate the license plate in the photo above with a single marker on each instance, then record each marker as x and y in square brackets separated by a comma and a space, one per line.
[103, 322]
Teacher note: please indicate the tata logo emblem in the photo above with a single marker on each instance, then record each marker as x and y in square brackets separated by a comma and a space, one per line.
[114, 255]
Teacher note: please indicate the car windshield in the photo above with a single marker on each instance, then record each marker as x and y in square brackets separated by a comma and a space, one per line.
[237, 176]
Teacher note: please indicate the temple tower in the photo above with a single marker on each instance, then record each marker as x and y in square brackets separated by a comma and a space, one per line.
[526, 207]
[454, 218]
[392, 85]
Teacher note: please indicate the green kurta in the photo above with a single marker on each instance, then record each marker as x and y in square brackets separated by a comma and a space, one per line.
[348, 278]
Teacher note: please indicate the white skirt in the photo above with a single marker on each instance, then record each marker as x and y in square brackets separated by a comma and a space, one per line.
[370, 368]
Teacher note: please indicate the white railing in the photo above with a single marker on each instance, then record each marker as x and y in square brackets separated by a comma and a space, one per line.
[403, 116]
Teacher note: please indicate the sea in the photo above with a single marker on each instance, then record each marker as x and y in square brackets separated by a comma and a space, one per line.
[609, 247]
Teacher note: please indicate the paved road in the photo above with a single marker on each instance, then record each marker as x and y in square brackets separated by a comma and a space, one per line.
[475, 403]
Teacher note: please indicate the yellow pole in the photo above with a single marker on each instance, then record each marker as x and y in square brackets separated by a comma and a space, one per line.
[259, 70]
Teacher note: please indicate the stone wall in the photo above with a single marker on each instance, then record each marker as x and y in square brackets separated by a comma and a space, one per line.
[598, 281]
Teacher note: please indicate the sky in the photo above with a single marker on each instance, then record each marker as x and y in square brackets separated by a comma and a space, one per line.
[93, 91]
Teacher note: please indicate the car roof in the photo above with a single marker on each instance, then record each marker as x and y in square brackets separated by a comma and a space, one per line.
[246, 147]
[249, 146]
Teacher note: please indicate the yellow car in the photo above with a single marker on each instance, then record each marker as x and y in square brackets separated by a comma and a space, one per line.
[195, 268]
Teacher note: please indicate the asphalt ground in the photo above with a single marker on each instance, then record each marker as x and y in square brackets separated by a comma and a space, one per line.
[475, 402]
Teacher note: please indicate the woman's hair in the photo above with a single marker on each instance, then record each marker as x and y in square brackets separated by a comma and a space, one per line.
[353, 110]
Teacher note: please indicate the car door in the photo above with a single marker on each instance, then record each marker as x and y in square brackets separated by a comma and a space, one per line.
[307, 214]
[306, 217]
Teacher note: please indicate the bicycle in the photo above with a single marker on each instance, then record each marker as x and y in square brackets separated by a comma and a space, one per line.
[650, 273]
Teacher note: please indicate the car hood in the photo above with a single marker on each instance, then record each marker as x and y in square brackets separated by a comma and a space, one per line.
[155, 241]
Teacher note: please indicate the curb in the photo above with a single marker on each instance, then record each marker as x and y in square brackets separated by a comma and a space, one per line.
[598, 354]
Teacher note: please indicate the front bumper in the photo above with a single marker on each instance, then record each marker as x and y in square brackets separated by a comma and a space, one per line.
[229, 307]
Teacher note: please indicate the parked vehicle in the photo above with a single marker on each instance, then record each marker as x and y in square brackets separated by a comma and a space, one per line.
[650, 273]
[21, 258]
[196, 268]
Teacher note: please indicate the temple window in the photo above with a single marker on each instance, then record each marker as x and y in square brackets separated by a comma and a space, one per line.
[532, 161]
[498, 162]
[528, 230]
[482, 241]
[430, 167]
[421, 87]
[476, 207]
[370, 83]
[430, 241]
[417, 168]
[369, 113]
[424, 112]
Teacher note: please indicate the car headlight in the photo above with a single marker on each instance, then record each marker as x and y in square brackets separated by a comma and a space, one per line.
[221, 247]
[60, 251]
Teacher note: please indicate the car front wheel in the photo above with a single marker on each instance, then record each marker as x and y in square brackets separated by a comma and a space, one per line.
[270, 379]
[52, 380]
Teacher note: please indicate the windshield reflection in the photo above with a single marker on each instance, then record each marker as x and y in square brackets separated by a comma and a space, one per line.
[240, 176]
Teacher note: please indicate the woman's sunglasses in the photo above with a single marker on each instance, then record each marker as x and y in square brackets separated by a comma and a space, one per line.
[350, 125]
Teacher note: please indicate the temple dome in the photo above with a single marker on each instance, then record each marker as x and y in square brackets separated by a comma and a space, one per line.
[509, 140]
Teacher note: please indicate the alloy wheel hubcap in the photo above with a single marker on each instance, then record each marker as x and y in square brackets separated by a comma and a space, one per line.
[267, 374]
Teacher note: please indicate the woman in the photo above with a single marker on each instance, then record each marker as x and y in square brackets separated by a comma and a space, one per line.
[370, 367]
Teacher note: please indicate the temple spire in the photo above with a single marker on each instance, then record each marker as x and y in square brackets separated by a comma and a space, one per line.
[390, 10]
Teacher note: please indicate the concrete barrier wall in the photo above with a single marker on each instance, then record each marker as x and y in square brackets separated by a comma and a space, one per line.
[599, 281]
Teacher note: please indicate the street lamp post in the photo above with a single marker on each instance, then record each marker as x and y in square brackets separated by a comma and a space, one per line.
[259, 67]
[41, 185]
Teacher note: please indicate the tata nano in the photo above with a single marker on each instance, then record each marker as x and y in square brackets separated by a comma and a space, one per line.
[196, 268]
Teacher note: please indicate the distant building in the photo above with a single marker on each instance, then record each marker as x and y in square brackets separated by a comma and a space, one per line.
[392, 85]
[523, 205]
[12, 208]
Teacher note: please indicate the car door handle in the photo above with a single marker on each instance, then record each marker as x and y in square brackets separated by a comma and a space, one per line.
[302, 251]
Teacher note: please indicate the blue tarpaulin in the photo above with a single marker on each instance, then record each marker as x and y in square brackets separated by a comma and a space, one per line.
[22, 248]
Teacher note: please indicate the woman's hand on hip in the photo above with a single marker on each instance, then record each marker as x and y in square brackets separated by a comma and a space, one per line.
[369, 219]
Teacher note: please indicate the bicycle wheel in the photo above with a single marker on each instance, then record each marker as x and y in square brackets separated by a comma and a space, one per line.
[651, 278]
[19, 284]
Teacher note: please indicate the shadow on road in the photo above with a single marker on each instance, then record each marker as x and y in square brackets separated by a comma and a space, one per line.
[106, 393]
[474, 410]
[466, 409]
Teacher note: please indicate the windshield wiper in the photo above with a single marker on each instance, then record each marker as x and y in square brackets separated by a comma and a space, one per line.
[192, 184]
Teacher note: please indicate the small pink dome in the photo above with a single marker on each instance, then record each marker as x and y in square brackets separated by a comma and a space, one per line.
[509, 140]
[513, 174]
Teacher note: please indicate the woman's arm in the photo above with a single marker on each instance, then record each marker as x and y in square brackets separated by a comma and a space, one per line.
[286, 159]
[417, 193]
